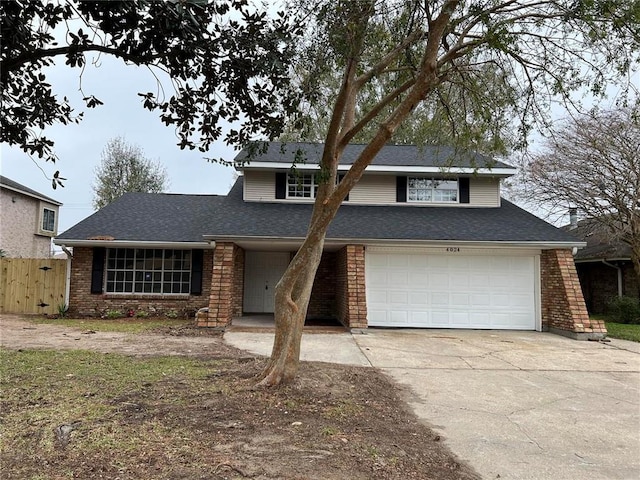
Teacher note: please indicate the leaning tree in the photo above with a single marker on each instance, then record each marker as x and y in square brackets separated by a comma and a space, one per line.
[401, 55]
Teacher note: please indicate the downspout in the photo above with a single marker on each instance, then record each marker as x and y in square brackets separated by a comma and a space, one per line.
[619, 275]
[67, 287]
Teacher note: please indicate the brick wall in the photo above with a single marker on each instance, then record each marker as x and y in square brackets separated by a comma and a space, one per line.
[84, 303]
[563, 307]
[600, 283]
[238, 281]
[351, 301]
[322, 303]
[225, 299]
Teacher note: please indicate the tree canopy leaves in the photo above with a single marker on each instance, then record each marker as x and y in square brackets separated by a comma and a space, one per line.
[124, 168]
[499, 65]
[227, 62]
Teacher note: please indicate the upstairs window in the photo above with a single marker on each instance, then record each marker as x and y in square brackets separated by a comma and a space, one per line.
[48, 220]
[301, 186]
[432, 190]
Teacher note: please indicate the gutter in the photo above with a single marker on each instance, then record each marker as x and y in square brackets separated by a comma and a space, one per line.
[620, 292]
[409, 242]
[390, 169]
[131, 244]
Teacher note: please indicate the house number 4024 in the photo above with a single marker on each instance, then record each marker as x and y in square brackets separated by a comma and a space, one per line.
[453, 249]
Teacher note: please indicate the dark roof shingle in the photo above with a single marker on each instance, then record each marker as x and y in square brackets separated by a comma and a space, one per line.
[144, 217]
[13, 185]
[390, 155]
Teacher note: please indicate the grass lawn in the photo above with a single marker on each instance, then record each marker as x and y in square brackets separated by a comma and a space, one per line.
[624, 331]
[124, 325]
[80, 414]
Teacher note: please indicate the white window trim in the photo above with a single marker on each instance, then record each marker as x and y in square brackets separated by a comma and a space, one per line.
[134, 270]
[430, 202]
[314, 186]
[40, 227]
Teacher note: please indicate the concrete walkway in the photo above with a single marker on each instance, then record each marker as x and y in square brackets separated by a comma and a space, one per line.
[514, 405]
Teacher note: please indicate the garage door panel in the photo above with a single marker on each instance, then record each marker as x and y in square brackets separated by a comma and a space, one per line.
[450, 291]
[399, 317]
[437, 280]
[419, 298]
[459, 319]
[398, 277]
[459, 300]
[399, 298]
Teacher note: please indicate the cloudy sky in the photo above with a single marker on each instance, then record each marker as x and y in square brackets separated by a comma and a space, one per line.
[79, 147]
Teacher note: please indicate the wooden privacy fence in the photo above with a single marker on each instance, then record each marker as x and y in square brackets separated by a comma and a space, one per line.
[32, 285]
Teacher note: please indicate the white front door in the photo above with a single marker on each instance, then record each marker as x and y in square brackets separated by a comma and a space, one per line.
[451, 290]
[262, 271]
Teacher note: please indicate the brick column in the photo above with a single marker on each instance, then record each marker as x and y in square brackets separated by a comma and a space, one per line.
[350, 287]
[563, 309]
[222, 301]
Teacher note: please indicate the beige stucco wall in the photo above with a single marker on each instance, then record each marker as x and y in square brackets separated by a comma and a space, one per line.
[19, 221]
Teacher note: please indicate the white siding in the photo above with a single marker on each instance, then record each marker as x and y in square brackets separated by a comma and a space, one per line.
[372, 189]
[259, 186]
[484, 192]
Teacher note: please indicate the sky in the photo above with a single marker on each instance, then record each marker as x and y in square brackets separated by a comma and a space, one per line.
[79, 146]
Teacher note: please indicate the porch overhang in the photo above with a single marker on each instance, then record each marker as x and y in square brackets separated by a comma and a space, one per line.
[132, 244]
[333, 244]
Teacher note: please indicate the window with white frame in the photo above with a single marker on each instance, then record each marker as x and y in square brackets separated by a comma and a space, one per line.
[434, 190]
[154, 271]
[301, 185]
[48, 220]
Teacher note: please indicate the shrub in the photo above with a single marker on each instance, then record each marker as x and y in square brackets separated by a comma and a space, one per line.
[114, 314]
[624, 310]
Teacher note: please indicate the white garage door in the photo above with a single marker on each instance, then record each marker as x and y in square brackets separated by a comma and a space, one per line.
[451, 290]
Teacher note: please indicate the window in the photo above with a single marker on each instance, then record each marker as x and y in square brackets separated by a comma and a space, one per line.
[48, 220]
[432, 190]
[157, 271]
[301, 186]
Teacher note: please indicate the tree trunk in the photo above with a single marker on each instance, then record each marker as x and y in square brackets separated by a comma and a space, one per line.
[293, 291]
[292, 296]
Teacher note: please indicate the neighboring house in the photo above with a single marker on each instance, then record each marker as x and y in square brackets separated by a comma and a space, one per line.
[28, 221]
[604, 266]
[423, 240]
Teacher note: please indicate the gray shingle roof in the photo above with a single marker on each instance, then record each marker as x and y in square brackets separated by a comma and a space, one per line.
[7, 182]
[150, 217]
[599, 245]
[187, 218]
[390, 155]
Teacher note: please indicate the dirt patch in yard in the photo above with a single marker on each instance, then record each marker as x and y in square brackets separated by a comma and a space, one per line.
[180, 404]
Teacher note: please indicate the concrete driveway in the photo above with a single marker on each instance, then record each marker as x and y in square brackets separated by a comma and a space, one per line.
[514, 405]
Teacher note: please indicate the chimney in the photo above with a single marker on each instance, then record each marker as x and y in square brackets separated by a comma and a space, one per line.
[573, 218]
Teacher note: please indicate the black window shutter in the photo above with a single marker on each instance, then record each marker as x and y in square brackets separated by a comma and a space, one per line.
[281, 184]
[97, 269]
[196, 272]
[401, 189]
[463, 185]
[340, 177]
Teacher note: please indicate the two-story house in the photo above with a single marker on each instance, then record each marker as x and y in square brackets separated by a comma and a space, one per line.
[423, 240]
[28, 221]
